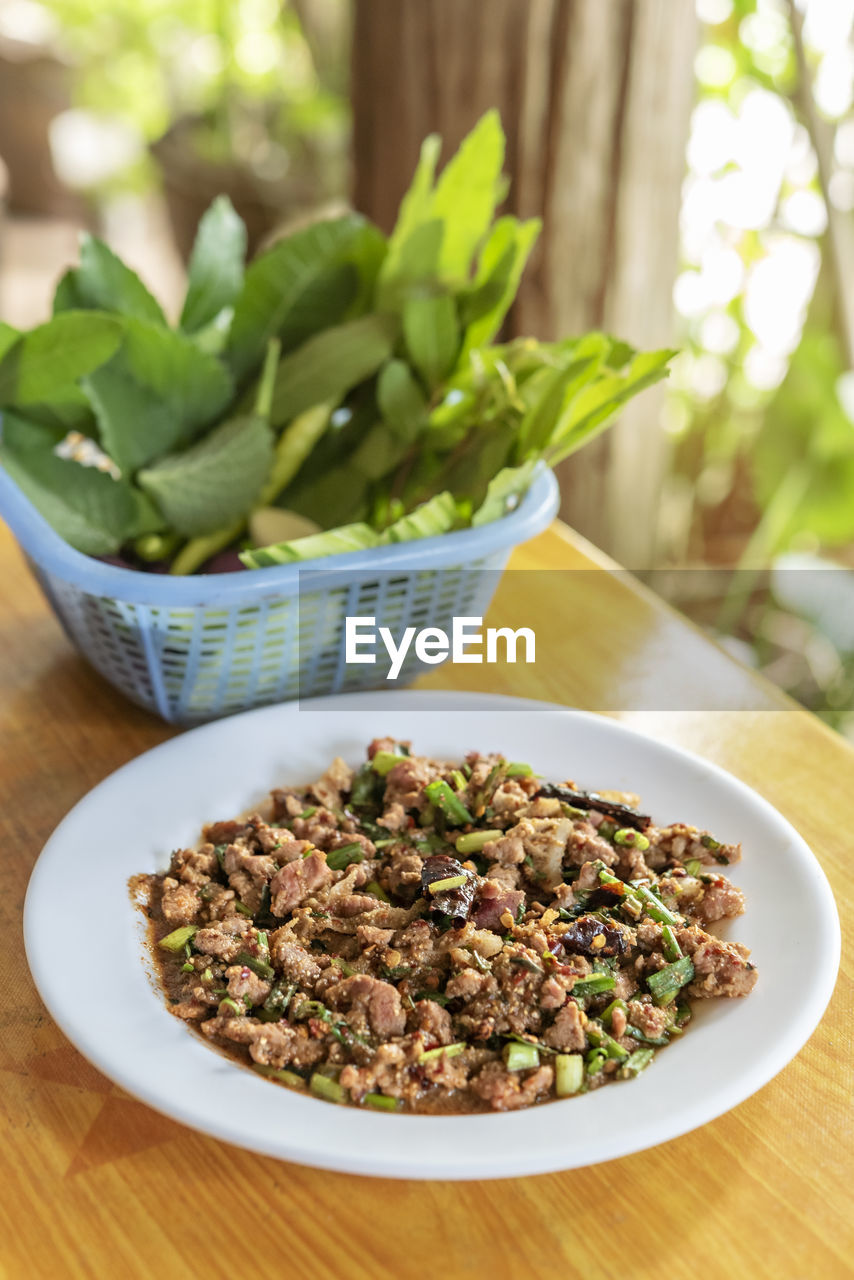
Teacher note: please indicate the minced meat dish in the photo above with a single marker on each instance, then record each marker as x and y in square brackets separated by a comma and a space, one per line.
[436, 937]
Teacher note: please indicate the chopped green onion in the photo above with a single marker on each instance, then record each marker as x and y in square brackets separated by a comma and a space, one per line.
[376, 890]
[601, 1040]
[207, 976]
[450, 882]
[637, 1034]
[595, 1060]
[635, 1064]
[278, 1073]
[219, 850]
[693, 866]
[474, 841]
[441, 795]
[683, 1014]
[518, 770]
[188, 968]
[346, 969]
[178, 938]
[274, 1007]
[654, 907]
[569, 1074]
[242, 908]
[365, 786]
[570, 811]
[340, 858]
[520, 1057]
[381, 1102]
[450, 1050]
[709, 842]
[595, 985]
[458, 780]
[667, 981]
[228, 1003]
[607, 1014]
[628, 836]
[263, 944]
[260, 967]
[326, 1088]
[632, 905]
[384, 761]
[669, 945]
[309, 812]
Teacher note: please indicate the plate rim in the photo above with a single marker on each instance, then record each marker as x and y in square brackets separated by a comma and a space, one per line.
[748, 1082]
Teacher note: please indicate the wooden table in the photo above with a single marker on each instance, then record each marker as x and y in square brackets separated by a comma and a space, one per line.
[95, 1184]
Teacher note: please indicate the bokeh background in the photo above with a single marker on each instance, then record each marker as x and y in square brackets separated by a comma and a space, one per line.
[695, 171]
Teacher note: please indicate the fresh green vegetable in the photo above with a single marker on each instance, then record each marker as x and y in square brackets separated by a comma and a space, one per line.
[520, 1057]
[381, 1102]
[377, 891]
[450, 882]
[440, 794]
[340, 858]
[654, 907]
[450, 1050]
[569, 1074]
[667, 981]
[326, 1088]
[178, 938]
[474, 841]
[384, 761]
[595, 985]
[669, 945]
[343, 376]
[279, 1073]
[640, 1059]
[601, 1040]
[256, 964]
[518, 770]
[629, 836]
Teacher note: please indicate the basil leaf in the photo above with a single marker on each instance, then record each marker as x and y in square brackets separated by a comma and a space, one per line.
[49, 359]
[432, 336]
[216, 481]
[216, 266]
[87, 507]
[156, 394]
[102, 282]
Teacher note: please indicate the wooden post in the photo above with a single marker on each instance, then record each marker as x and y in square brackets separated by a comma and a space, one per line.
[595, 96]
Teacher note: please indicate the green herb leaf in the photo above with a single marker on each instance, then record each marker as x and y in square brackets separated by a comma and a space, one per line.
[467, 192]
[215, 481]
[156, 394]
[301, 285]
[504, 491]
[327, 365]
[432, 335]
[502, 261]
[102, 282]
[433, 517]
[49, 359]
[88, 508]
[216, 265]
[401, 401]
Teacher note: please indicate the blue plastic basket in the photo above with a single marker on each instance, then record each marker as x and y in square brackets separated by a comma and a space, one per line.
[195, 648]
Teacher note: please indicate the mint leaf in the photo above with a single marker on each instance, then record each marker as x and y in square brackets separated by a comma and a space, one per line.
[102, 282]
[432, 336]
[300, 285]
[216, 265]
[327, 365]
[156, 394]
[216, 481]
[47, 360]
[87, 507]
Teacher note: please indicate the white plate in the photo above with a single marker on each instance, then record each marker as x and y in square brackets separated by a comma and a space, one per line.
[83, 937]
